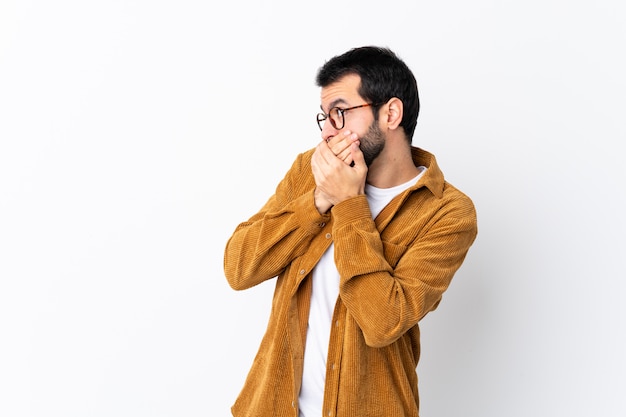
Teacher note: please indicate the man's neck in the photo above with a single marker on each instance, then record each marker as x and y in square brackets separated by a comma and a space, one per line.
[391, 169]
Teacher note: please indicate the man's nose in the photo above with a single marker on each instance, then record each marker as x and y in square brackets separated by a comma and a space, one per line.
[328, 131]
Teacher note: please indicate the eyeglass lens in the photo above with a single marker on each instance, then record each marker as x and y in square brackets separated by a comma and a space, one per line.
[335, 116]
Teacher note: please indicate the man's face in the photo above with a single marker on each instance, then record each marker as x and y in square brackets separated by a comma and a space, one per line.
[372, 143]
[344, 94]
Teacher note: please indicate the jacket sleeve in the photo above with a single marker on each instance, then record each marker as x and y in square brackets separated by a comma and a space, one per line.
[262, 247]
[385, 298]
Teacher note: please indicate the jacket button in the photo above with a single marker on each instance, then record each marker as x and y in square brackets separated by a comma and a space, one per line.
[328, 235]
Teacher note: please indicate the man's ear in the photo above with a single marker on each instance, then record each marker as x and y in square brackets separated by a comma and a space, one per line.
[394, 113]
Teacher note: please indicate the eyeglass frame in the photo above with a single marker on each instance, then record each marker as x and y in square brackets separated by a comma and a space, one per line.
[322, 117]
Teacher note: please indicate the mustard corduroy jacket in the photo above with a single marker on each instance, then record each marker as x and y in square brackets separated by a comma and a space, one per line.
[393, 271]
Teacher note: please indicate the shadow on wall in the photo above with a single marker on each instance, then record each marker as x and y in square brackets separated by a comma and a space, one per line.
[460, 340]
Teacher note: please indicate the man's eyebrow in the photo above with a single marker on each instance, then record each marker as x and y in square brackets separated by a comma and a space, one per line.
[334, 103]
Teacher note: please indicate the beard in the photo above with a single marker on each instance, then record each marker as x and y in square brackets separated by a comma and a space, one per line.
[372, 143]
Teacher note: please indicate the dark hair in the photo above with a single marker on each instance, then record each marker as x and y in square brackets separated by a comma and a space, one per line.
[383, 76]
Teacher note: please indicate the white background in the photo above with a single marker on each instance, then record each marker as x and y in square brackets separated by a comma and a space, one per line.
[135, 136]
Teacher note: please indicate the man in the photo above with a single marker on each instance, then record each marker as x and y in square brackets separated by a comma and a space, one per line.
[364, 236]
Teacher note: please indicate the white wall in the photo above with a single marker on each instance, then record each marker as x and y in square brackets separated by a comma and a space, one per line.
[135, 135]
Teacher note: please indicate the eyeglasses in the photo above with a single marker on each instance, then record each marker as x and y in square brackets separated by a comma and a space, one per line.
[336, 116]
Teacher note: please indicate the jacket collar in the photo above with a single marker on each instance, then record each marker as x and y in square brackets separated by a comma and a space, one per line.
[433, 177]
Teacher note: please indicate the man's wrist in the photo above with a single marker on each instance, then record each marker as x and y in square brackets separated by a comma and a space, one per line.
[321, 203]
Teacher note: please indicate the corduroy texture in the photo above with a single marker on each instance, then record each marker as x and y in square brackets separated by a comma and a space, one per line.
[393, 271]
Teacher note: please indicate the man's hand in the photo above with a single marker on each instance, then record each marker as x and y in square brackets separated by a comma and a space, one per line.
[339, 171]
[340, 145]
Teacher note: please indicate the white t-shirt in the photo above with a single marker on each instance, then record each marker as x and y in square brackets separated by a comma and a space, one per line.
[323, 300]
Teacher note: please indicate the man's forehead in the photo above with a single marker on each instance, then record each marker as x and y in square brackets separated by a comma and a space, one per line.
[343, 91]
